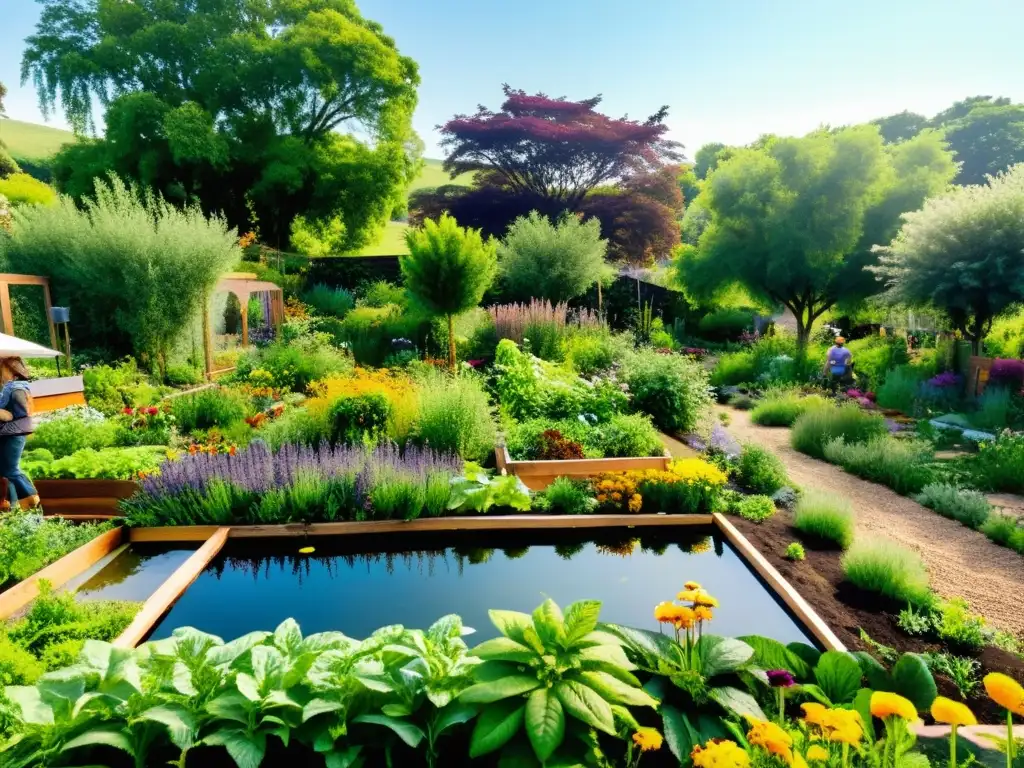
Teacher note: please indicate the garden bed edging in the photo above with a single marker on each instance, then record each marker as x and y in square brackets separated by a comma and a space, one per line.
[539, 474]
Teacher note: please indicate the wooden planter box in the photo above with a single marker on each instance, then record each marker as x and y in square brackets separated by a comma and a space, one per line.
[84, 499]
[52, 394]
[538, 475]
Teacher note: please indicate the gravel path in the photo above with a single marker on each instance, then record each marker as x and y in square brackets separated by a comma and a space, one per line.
[961, 562]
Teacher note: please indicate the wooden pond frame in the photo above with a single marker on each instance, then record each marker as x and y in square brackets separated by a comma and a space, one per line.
[539, 474]
[212, 539]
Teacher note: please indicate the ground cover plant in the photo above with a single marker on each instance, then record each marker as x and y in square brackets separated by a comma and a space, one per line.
[30, 542]
[89, 464]
[966, 506]
[816, 427]
[760, 471]
[903, 465]
[884, 567]
[782, 407]
[825, 517]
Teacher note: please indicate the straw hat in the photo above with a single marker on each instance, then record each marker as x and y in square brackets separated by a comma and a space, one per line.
[840, 340]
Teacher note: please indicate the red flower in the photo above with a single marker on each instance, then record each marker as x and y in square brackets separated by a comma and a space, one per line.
[128, 411]
[152, 411]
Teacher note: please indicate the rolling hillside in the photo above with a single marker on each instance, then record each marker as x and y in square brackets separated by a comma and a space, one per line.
[33, 145]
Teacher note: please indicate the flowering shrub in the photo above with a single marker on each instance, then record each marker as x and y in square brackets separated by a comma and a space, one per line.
[999, 465]
[397, 388]
[688, 486]
[617, 492]
[672, 389]
[1007, 373]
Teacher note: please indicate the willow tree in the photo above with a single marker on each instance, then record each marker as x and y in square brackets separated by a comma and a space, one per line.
[448, 270]
[794, 220]
[963, 254]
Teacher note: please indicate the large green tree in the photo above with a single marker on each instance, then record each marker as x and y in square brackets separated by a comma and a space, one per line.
[963, 254]
[235, 104]
[794, 220]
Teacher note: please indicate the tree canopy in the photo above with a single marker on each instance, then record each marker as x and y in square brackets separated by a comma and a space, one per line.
[962, 254]
[794, 219]
[554, 149]
[235, 104]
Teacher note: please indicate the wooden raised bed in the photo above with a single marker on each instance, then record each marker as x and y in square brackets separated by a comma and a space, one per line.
[538, 475]
[84, 499]
[60, 572]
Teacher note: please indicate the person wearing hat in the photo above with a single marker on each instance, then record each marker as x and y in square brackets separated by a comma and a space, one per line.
[15, 427]
[839, 363]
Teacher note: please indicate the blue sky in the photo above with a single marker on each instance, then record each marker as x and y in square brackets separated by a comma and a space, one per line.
[729, 70]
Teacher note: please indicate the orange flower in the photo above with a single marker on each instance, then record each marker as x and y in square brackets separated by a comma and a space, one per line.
[884, 704]
[772, 738]
[666, 612]
[703, 613]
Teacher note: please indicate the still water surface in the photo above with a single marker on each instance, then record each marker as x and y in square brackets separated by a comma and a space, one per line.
[356, 584]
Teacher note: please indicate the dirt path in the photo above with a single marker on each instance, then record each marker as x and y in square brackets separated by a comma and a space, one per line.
[961, 562]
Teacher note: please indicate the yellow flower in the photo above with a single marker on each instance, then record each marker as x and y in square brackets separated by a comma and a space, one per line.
[648, 739]
[702, 613]
[635, 502]
[691, 585]
[685, 618]
[688, 595]
[771, 737]
[814, 713]
[884, 704]
[1005, 691]
[706, 600]
[666, 612]
[843, 726]
[720, 753]
[817, 753]
[952, 712]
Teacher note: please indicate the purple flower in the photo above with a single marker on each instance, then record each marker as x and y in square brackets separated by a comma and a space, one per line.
[943, 380]
[1007, 373]
[780, 678]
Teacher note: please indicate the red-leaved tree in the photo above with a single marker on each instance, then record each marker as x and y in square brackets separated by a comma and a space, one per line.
[555, 150]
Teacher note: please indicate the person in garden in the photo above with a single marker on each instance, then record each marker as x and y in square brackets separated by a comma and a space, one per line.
[839, 364]
[15, 427]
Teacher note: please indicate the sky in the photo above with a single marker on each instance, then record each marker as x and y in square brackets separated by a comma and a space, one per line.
[729, 70]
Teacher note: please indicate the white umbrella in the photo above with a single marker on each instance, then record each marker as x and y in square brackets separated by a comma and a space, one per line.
[12, 346]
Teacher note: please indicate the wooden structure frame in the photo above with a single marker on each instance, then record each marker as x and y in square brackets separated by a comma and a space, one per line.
[242, 285]
[6, 281]
[538, 475]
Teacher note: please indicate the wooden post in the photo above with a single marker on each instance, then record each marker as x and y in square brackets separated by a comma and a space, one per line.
[245, 318]
[48, 303]
[207, 351]
[5, 309]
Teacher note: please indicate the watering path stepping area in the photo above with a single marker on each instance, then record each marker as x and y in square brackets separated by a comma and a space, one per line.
[961, 562]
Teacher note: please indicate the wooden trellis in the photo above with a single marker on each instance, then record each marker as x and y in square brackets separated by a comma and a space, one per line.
[242, 285]
[6, 281]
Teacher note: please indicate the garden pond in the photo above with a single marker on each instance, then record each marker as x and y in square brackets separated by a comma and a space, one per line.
[356, 584]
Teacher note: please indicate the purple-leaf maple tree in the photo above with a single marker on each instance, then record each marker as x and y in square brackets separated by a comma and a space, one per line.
[555, 149]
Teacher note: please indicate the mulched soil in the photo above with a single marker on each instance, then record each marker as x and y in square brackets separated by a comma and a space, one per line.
[819, 579]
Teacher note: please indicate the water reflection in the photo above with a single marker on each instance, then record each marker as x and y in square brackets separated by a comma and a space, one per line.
[136, 573]
[356, 584]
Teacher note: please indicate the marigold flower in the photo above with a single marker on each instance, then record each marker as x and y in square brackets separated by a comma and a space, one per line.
[666, 612]
[648, 739]
[703, 613]
[952, 712]
[814, 713]
[685, 617]
[772, 738]
[885, 704]
[688, 595]
[720, 753]
[635, 502]
[1005, 691]
[817, 753]
[843, 726]
[706, 600]
[691, 585]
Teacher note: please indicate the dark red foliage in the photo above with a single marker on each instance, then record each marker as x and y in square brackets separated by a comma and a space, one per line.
[555, 447]
[554, 149]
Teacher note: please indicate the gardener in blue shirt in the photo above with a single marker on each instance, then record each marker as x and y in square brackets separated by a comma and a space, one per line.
[839, 364]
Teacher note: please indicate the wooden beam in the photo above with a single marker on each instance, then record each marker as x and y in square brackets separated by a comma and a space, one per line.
[796, 603]
[207, 345]
[5, 309]
[12, 279]
[60, 572]
[48, 305]
[168, 593]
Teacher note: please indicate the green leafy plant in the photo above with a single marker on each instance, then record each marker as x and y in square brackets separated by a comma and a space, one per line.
[903, 465]
[672, 389]
[757, 509]
[760, 471]
[333, 302]
[622, 435]
[825, 516]
[882, 566]
[208, 408]
[476, 491]
[359, 419]
[908, 676]
[64, 435]
[456, 416]
[958, 627]
[780, 408]
[963, 671]
[29, 542]
[567, 496]
[900, 389]
[1006, 530]
[817, 426]
[550, 675]
[795, 552]
[967, 506]
[108, 464]
[916, 622]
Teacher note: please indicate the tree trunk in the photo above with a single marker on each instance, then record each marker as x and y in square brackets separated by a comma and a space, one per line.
[451, 343]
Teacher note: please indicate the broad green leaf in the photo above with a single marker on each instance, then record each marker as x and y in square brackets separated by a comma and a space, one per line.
[610, 669]
[228, 653]
[771, 654]
[230, 706]
[247, 750]
[101, 737]
[657, 687]
[862, 703]
[877, 675]
[513, 625]
[328, 641]
[647, 649]
[623, 719]
[489, 671]
[808, 654]
[247, 686]
[495, 726]
[912, 679]
[681, 736]
[737, 702]
[720, 655]
[838, 675]
[616, 691]
[34, 710]
[181, 725]
[586, 704]
[549, 623]
[518, 754]
[611, 653]
[504, 649]
[319, 707]
[280, 698]
[452, 715]
[816, 693]
[545, 723]
[580, 620]
[288, 637]
[268, 665]
[445, 628]
[406, 731]
[66, 684]
[710, 727]
[485, 693]
[343, 758]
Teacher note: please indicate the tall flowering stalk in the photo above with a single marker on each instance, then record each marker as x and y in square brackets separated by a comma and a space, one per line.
[513, 321]
[1008, 694]
[687, 620]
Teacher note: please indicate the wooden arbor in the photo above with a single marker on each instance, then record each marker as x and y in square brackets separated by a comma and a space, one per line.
[243, 285]
[6, 281]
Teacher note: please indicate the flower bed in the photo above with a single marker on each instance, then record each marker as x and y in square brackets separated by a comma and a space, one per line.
[538, 475]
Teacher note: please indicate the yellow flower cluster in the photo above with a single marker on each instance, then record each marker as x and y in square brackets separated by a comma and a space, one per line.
[648, 739]
[617, 491]
[697, 471]
[885, 704]
[720, 753]
[771, 738]
[839, 725]
[399, 389]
